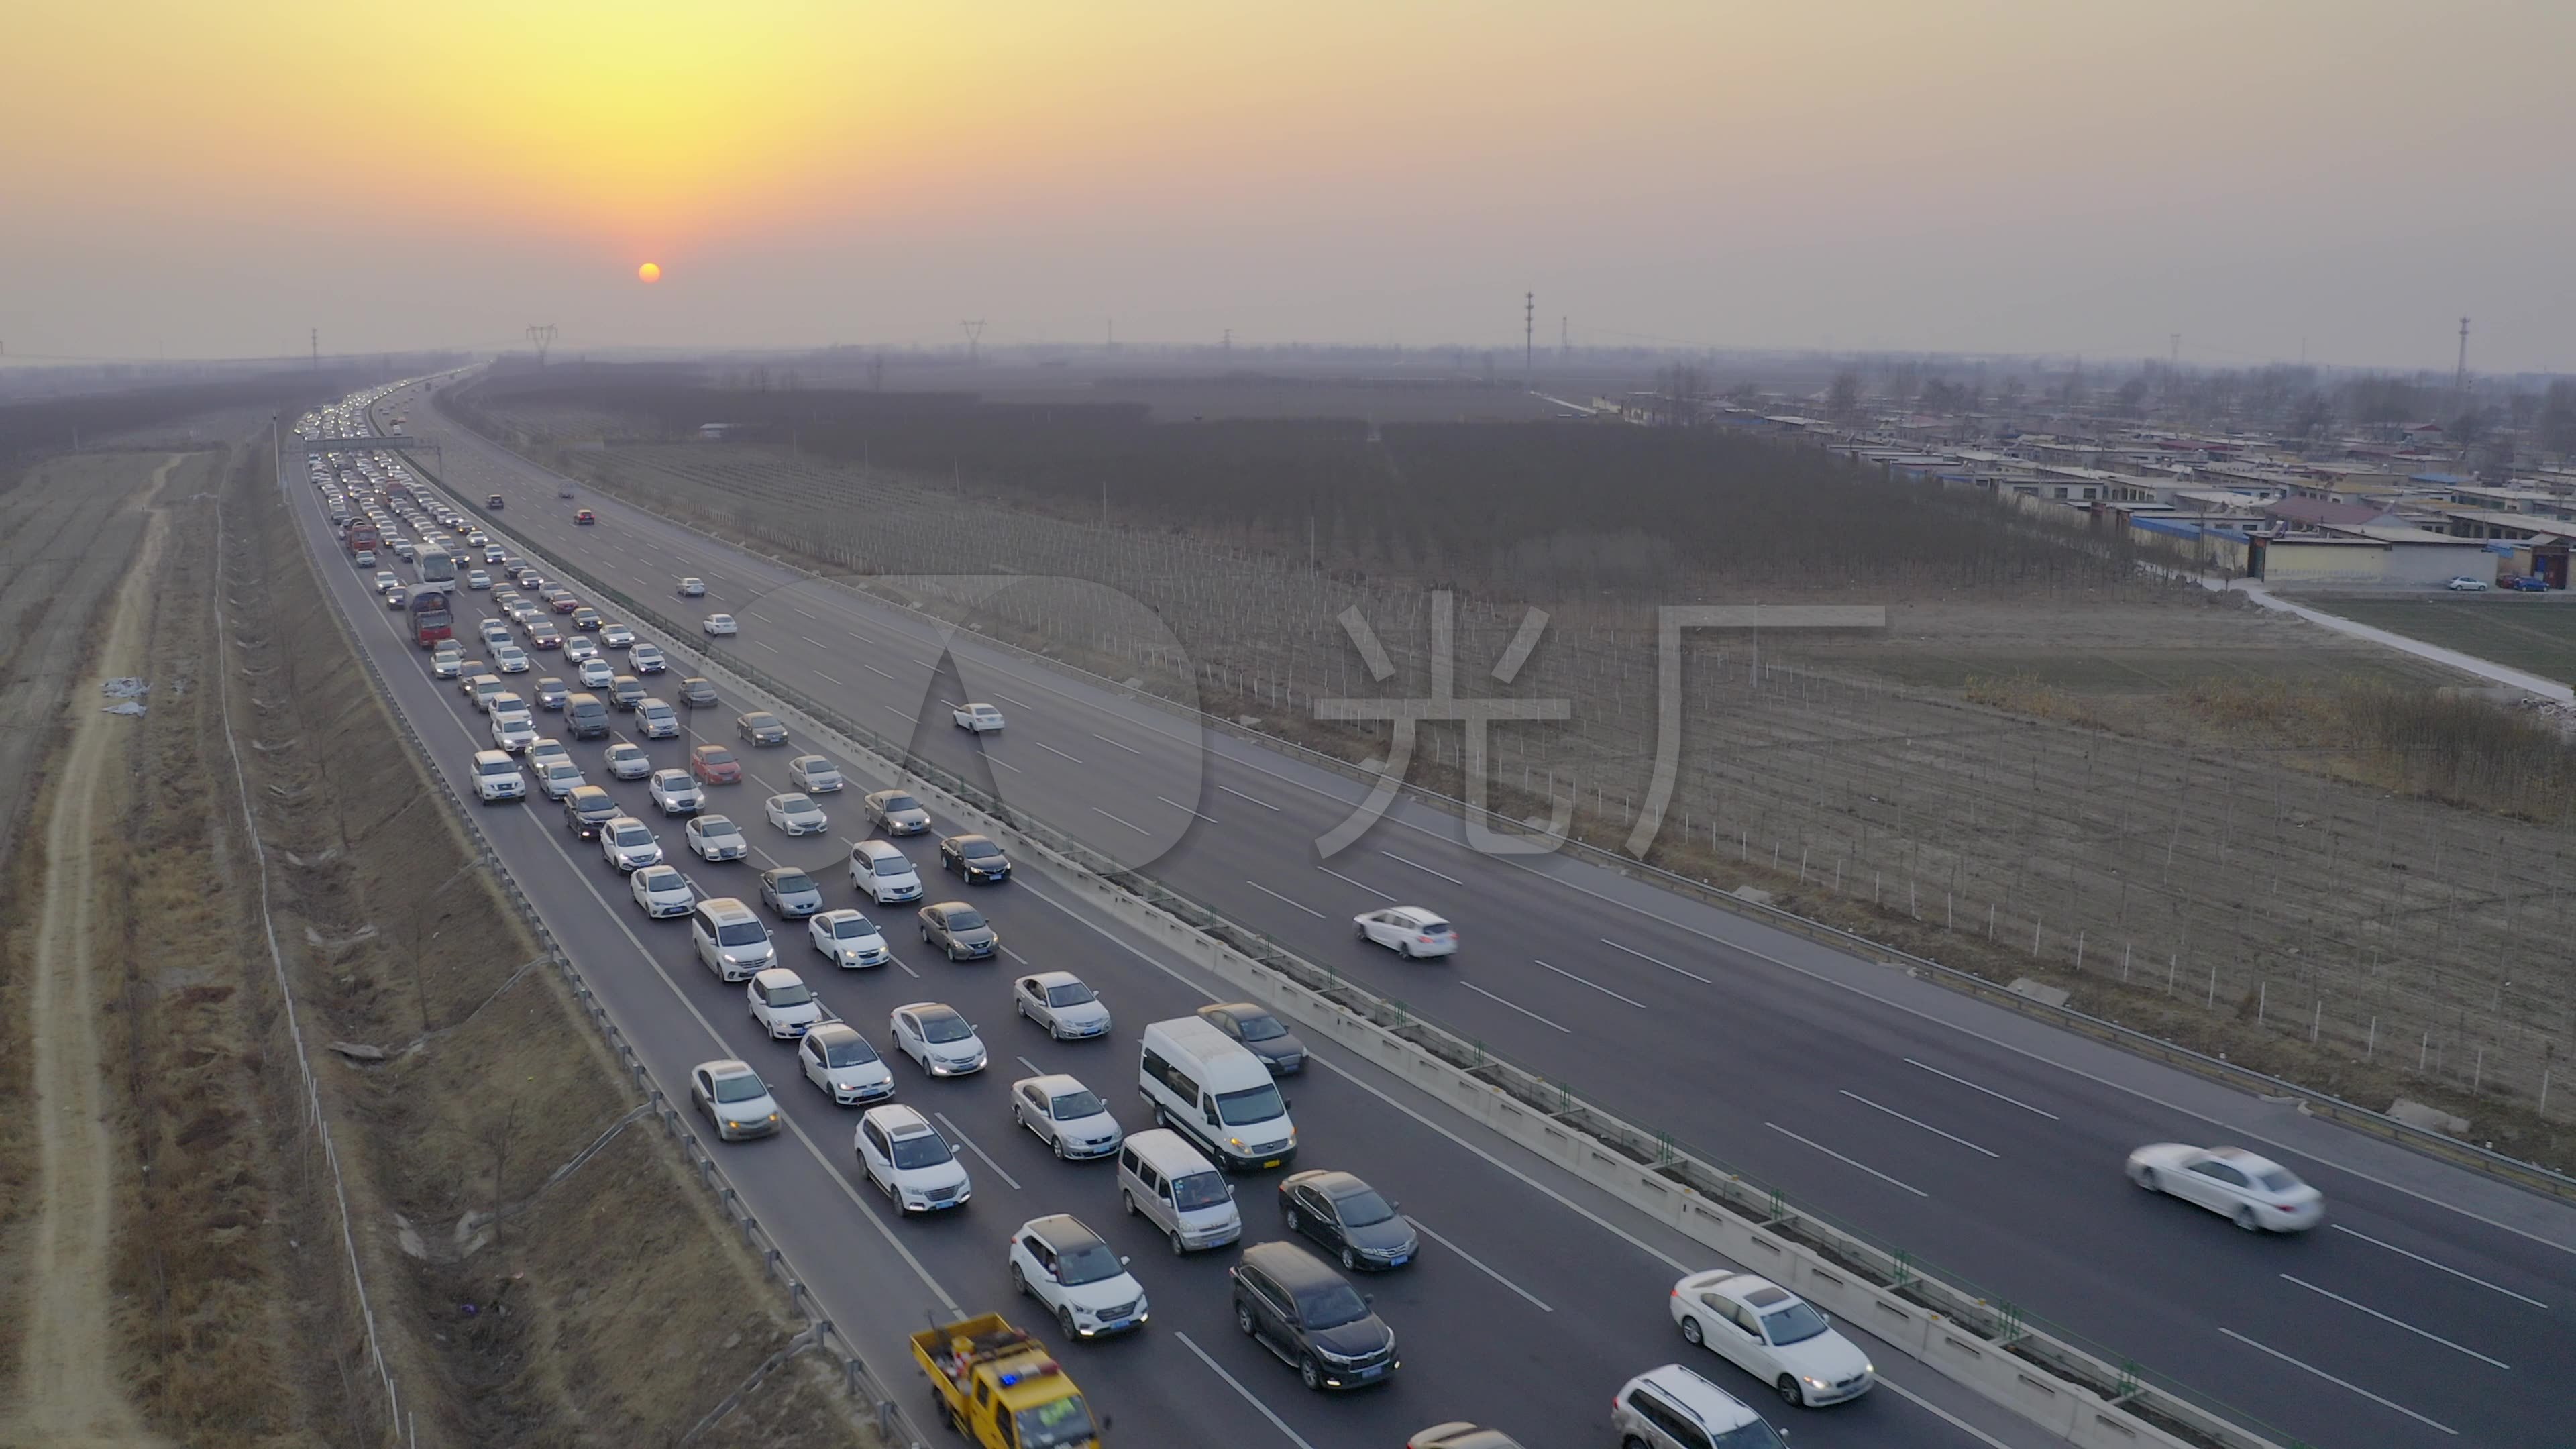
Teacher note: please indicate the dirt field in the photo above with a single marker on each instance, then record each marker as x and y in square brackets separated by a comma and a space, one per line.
[175, 1268]
[2165, 862]
[2536, 634]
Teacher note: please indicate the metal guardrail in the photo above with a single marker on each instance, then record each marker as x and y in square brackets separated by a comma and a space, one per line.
[2122, 1385]
[857, 1380]
[2530, 1176]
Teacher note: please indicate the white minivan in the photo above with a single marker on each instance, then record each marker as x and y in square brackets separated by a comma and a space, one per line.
[1202, 1084]
[731, 941]
[883, 873]
[1165, 1180]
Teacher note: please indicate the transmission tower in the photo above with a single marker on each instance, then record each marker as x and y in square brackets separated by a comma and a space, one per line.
[1529, 339]
[541, 335]
[974, 339]
[1226, 345]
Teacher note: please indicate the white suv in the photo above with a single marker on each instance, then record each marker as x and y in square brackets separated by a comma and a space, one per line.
[676, 793]
[1076, 1276]
[497, 777]
[629, 844]
[909, 1161]
[513, 729]
[1674, 1408]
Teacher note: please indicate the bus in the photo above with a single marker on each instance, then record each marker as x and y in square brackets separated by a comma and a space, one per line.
[430, 620]
[437, 569]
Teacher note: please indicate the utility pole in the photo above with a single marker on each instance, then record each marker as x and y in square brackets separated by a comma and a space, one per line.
[2460, 379]
[1564, 340]
[1529, 340]
[541, 335]
[317, 349]
[1112, 345]
[2173, 359]
[1225, 345]
[974, 339]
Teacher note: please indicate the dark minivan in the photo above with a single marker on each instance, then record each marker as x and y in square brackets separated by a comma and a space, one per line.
[1296, 1306]
[585, 716]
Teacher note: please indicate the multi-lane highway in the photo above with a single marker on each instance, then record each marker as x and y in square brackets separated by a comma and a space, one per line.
[2426, 1312]
[1536, 1296]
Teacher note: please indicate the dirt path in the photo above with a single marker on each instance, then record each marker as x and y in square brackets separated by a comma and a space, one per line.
[68, 1391]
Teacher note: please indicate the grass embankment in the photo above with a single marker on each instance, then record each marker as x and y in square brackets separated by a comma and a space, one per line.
[2533, 634]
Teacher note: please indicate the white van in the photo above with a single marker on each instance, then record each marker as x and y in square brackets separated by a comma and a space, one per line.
[1162, 1177]
[731, 941]
[883, 873]
[1205, 1086]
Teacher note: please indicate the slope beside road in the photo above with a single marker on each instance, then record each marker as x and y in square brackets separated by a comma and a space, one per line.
[1932, 1123]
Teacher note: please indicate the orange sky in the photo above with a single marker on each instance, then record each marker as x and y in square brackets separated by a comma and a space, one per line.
[214, 179]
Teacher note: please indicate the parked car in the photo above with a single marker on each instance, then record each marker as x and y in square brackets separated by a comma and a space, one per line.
[2463, 584]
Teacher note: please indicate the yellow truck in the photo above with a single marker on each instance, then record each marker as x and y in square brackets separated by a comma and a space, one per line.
[1002, 1389]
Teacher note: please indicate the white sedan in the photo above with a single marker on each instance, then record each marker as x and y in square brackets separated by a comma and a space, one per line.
[2255, 1193]
[579, 650]
[1062, 1003]
[841, 1063]
[939, 1040]
[558, 778]
[714, 838]
[1067, 1116]
[1772, 1334]
[782, 1004]
[627, 761]
[1408, 931]
[693, 588]
[1076, 1276]
[509, 659]
[2463, 584]
[676, 793]
[477, 579]
[662, 891]
[847, 939]
[596, 673]
[719, 626]
[615, 635]
[977, 717]
[797, 814]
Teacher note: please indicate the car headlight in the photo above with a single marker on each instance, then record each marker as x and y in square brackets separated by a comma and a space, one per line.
[1234, 1141]
[1815, 1383]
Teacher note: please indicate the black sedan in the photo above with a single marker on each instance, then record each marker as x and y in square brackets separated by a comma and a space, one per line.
[1260, 1033]
[761, 728]
[974, 857]
[1347, 1218]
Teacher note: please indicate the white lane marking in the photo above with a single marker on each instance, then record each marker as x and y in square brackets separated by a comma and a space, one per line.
[1237, 1385]
[907, 970]
[1667, 965]
[1274, 895]
[1942, 1414]
[2392, 1319]
[1184, 809]
[1239, 795]
[1407, 1108]
[978, 1151]
[1477, 1263]
[1006, 699]
[1580, 981]
[1514, 1005]
[1052, 750]
[1838, 1157]
[1106, 740]
[1926, 1126]
[1034, 1069]
[1417, 865]
[819, 674]
[1363, 885]
[765, 644]
[1130, 824]
[1014, 955]
[1005, 764]
[2342, 1383]
[795, 610]
[810, 639]
[920, 662]
[2445, 1267]
[897, 713]
[872, 669]
[1989, 1091]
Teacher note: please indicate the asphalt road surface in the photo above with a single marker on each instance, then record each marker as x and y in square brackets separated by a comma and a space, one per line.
[1990, 1148]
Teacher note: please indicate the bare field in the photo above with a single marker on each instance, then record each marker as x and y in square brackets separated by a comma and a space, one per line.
[2535, 634]
[2383, 940]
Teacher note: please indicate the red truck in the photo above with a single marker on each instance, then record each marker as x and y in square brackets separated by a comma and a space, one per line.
[431, 621]
[360, 534]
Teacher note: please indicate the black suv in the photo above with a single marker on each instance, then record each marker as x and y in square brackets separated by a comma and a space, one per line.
[696, 693]
[1300, 1309]
[588, 808]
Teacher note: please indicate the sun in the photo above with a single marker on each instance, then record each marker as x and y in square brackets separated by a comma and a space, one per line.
[649, 272]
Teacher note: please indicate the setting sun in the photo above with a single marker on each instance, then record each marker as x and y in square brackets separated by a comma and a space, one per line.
[649, 272]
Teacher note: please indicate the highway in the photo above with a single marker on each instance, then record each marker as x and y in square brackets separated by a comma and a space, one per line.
[2426, 1313]
[1535, 1297]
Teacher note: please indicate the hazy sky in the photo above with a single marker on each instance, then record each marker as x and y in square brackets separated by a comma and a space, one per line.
[2070, 175]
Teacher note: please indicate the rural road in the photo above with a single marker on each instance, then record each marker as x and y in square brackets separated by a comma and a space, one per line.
[1926, 1121]
[2467, 663]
